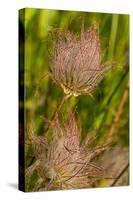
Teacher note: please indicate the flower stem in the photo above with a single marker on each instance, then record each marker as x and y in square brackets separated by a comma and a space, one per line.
[64, 98]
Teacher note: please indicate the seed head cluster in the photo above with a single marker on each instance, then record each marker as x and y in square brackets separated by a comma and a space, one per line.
[76, 65]
[64, 162]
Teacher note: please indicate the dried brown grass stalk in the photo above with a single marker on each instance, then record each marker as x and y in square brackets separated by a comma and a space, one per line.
[118, 113]
[120, 175]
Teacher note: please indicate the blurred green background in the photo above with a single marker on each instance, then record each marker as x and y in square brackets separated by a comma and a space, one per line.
[96, 115]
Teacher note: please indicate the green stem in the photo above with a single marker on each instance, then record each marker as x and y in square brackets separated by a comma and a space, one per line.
[113, 34]
[65, 97]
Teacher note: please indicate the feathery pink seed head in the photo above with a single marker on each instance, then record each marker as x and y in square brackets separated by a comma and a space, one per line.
[76, 65]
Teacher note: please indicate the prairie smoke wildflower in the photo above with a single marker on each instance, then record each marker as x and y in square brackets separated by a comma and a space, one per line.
[64, 162]
[76, 65]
